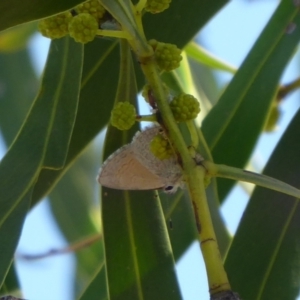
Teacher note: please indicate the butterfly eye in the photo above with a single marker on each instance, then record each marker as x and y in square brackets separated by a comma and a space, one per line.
[169, 189]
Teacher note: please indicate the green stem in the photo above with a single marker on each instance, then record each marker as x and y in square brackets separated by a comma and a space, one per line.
[217, 277]
[193, 132]
[139, 14]
[113, 33]
[140, 5]
[223, 171]
[147, 118]
[194, 177]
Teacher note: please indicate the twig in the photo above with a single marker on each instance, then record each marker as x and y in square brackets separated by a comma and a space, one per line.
[71, 248]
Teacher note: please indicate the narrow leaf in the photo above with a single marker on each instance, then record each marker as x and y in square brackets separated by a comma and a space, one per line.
[171, 26]
[73, 205]
[67, 102]
[22, 163]
[202, 56]
[263, 261]
[257, 179]
[180, 221]
[15, 12]
[97, 288]
[16, 38]
[11, 284]
[96, 93]
[16, 102]
[10, 232]
[251, 92]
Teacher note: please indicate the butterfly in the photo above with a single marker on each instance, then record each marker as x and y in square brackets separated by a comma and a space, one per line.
[135, 167]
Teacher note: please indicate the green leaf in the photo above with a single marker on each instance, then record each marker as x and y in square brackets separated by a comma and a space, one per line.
[10, 231]
[202, 56]
[22, 163]
[171, 26]
[184, 75]
[97, 287]
[263, 261]
[255, 178]
[73, 205]
[137, 248]
[243, 108]
[11, 284]
[15, 12]
[97, 90]
[15, 39]
[15, 102]
[180, 221]
[206, 85]
[138, 253]
[67, 94]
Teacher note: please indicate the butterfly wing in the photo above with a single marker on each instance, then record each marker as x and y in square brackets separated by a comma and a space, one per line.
[122, 171]
[168, 170]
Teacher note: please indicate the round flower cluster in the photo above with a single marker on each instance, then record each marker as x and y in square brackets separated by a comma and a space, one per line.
[161, 148]
[82, 27]
[123, 115]
[157, 6]
[185, 107]
[167, 56]
[55, 27]
[92, 7]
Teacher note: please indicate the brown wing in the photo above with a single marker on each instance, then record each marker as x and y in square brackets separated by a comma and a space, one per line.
[168, 170]
[122, 171]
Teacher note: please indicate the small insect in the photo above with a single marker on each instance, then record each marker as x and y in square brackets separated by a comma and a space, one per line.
[134, 167]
